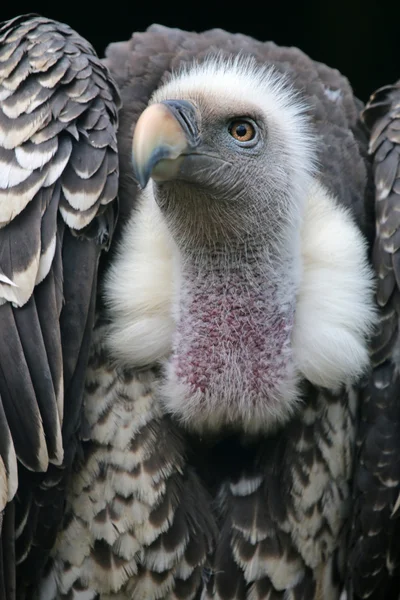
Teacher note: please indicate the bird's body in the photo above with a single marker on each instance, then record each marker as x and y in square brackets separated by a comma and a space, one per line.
[217, 431]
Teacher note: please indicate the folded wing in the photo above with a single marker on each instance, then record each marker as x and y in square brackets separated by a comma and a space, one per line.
[58, 183]
[375, 558]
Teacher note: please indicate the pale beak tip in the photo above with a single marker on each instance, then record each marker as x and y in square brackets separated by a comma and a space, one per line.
[162, 134]
[142, 175]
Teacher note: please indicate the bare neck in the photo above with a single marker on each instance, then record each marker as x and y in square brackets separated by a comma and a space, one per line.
[231, 361]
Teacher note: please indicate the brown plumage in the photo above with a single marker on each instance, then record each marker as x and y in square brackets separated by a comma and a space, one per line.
[375, 556]
[158, 506]
[58, 107]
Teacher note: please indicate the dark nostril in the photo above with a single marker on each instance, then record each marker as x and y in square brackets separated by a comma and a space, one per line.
[187, 121]
[186, 114]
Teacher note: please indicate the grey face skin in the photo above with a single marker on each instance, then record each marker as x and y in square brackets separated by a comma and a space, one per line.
[217, 172]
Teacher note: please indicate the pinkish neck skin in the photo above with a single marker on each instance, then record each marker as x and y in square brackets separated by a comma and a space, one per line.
[231, 362]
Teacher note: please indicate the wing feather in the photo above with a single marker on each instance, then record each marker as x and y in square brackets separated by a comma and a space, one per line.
[27, 319]
[23, 418]
[282, 508]
[375, 555]
[7, 554]
[58, 156]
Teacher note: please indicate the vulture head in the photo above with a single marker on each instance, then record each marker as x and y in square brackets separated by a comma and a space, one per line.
[230, 151]
[249, 277]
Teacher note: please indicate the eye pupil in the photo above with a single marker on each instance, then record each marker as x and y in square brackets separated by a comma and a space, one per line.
[241, 130]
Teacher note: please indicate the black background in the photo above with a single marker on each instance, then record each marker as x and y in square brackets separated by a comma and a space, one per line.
[361, 39]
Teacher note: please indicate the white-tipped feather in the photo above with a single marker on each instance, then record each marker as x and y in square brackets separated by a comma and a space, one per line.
[7, 280]
[46, 260]
[20, 290]
[35, 159]
[284, 572]
[3, 485]
[12, 202]
[12, 174]
[11, 137]
[81, 200]
[78, 220]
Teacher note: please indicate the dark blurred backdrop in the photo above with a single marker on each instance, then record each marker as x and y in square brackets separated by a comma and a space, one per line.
[360, 38]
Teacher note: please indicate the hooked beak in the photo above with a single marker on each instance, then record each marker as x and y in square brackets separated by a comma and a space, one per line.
[163, 134]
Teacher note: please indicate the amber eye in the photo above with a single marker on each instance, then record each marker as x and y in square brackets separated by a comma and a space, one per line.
[242, 131]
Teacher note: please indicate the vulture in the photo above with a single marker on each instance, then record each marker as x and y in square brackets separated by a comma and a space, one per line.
[199, 347]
